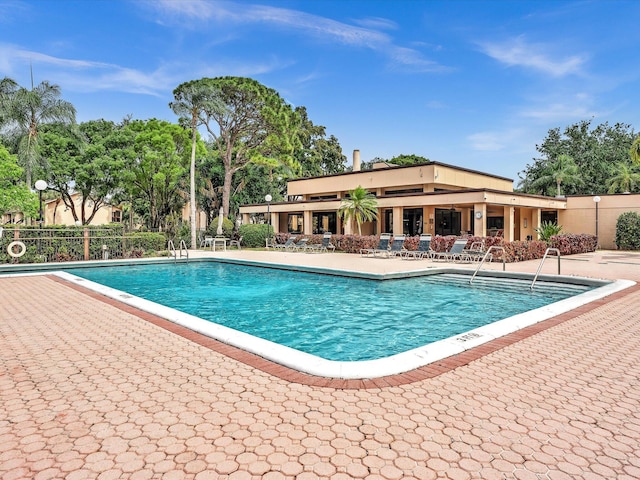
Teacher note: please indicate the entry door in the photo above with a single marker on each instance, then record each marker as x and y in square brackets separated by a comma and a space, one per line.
[412, 221]
[448, 222]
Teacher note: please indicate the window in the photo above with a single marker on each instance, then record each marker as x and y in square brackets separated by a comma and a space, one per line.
[296, 223]
[403, 192]
[324, 222]
[116, 216]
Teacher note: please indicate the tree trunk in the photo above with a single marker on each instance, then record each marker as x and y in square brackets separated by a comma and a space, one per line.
[192, 186]
[226, 190]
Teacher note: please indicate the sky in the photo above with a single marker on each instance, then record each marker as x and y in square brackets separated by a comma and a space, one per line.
[473, 83]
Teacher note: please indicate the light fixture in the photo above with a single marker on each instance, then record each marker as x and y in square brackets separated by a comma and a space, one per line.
[268, 199]
[40, 186]
[597, 199]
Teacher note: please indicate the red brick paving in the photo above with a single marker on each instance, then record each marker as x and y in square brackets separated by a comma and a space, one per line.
[91, 390]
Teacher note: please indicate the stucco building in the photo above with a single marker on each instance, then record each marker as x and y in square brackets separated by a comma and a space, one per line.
[439, 199]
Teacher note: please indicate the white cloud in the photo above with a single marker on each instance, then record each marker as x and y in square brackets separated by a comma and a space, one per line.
[90, 76]
[498, 140]
[366, 36]
[558, 111]
[517, 52]
[486, 141]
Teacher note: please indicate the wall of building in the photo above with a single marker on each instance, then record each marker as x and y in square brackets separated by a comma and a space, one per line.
[427, 177]
[580, 216]
[57, 213]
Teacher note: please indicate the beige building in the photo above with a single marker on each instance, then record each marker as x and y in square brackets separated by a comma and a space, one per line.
[57, 213]
[439, 199]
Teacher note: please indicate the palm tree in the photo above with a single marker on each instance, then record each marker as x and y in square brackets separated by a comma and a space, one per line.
[625, 180]
[192, 99]
[25, 110]
[562, 170]
[361, 206]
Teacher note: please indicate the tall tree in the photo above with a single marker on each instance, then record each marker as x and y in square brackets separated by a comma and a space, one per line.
[26, 110]
[595, 150]
[562, 170]
[408, 160]
[157, 171]
[360, 206]
[191, 101]
[625, 179]
[256, 126]
[634, 151]
[317, 155]
[15, 196]
[89, 161]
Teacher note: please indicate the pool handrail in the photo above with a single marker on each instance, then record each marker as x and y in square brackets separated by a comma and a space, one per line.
[486, 255]
[544, 257]
[174, 253]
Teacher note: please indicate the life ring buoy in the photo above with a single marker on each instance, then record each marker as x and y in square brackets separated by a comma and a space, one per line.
[21, 249]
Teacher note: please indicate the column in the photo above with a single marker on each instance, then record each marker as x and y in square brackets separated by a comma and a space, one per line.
[480, 220]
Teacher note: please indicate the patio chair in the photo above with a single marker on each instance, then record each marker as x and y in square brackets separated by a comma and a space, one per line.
[423, 250]
[285, 246]
[456, 253]
[325, 246]
[206, 242]
[236, 243]
[396, 248]
[383, 245]
[301, 246]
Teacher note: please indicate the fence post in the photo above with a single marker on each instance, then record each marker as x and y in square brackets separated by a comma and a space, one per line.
[86, 243]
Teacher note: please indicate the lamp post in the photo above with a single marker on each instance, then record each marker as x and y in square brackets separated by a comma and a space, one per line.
[268, 199]
[40, 186]
[597, 199]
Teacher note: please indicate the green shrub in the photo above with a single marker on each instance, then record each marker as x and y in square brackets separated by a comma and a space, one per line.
[144, 242]
[255, 235]
[628, 231]
[227, 227]
[548, 230]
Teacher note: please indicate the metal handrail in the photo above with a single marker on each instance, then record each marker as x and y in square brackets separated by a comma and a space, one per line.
[183, 246]
[547, 251]
[486, 255]
[174, 252]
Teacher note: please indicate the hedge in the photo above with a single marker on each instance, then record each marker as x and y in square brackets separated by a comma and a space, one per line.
[628, 231]
[518, 251]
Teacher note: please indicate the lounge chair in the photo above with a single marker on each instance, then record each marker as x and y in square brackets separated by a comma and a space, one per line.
[285, 246]
[396, 248]
[476, 252]
[301, 246]
[325, 246]
[456, 253]
[383, 245]
[423, 250]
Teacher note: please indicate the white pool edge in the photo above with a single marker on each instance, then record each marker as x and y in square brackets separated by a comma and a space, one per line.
[367, 369]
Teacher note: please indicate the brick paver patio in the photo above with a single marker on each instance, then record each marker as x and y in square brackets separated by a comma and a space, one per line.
[89, 390]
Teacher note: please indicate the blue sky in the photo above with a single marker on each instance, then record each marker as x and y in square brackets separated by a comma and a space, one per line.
[470, 83]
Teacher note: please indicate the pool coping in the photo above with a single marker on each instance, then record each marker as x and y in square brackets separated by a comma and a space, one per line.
[315, 367]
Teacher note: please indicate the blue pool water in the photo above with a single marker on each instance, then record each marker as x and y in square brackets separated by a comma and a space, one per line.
[333, 317]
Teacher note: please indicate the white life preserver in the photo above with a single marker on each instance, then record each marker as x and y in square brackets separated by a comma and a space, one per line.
[21, 249]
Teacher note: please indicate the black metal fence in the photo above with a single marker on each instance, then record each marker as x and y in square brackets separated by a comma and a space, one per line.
[37, 245]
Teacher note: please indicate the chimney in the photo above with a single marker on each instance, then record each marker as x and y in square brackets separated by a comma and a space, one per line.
[356, 160]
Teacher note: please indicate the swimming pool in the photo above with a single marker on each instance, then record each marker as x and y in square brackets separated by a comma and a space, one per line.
[336, 296]
[333, 317]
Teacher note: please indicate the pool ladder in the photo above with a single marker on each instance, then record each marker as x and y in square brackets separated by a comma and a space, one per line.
[547, 251]
[484, 258]
[183, 251]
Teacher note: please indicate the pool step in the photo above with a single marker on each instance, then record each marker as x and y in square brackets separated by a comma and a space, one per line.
[511, 284]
